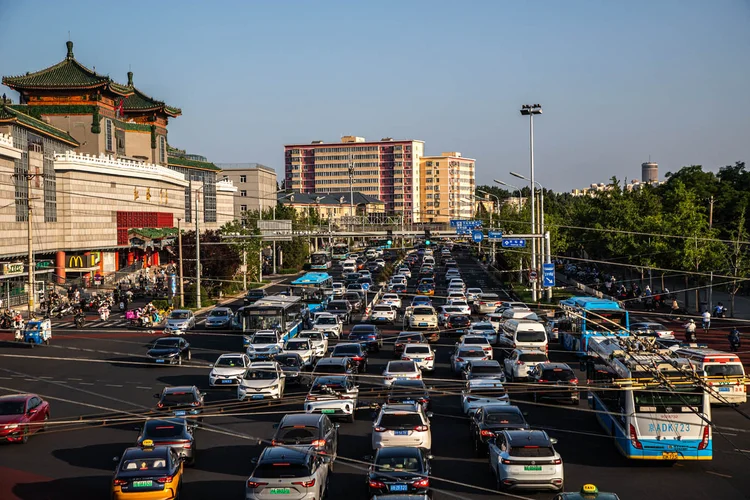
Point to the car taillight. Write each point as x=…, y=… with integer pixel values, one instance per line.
x=541, y=380
x=546, y=349
x=558, y=461
x=275, y=443
x=422, y=483
x=376, y=484
x=311, y=398
x=120, y=482
x=460, y=360
x=519, y=362
x=379, y=429
x=505, y=461
x=704, y=442
x=422, y=400
x=404, y=358
x=429, y=358
x=196, y=403
x=306, y=484
x=574, y=381
x=419, y=376
x=358, y=358
x=160, y=405
x=421, y=428
x=165, y=479
x=486, y=433
x=634, y=439
x=255, y=484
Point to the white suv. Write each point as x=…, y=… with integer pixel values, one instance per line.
x=262, y=380
x=421, y=354
x=402, y=425
x=521, y=361
x=333, y=395
x=526, y=459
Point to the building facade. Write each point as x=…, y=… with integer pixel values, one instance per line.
x=387, y=169
x=334, y=206
x=256, y=185
x=447, y=184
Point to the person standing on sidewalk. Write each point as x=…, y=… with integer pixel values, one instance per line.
x=675, y=308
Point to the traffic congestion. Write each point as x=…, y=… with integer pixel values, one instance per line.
x=379, y=374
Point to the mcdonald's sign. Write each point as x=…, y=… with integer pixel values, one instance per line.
x=74, y=262
x=82, y=261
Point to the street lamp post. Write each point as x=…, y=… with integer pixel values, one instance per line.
x=530, y=110
x=495, y=214
x=515, y=188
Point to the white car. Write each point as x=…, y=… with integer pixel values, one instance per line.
x=380, y=262
x=423, y=317
x=473, y=293
x=462, y=305
x=317, y=339
x=486, y=303
x=651, y=329
x=405, y=271
x=264, y=345
x=445, y=312
x=521, y=361
x=526, y=459
x=455, y=287
x=481, y=392
x=484, y=328
x=262, y=380
x=421, y=354
x=391, y=298
x=303, y=347
x=462, y=355
x=383, y=313
x=479, y=342
x=398, y=279
x=457, y=283
x=329, y=324
x=333, y=395
x=228, y=370
x=400, y=370
x=452, y=296
x=402, y=425
x=338, y=289
x=452, y=275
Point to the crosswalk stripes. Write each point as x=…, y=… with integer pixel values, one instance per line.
x=64, y=324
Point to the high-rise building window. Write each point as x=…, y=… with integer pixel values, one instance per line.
x=243, y=178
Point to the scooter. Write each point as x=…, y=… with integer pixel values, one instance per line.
x=720, y=312
x=80, y=320
x=104, y=313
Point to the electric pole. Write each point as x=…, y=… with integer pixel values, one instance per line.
x=179, y=244
x=197, y=256
x=711, y=213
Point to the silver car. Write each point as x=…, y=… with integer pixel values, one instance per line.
x=526, y=459
x=220, y=317
x=402, y=425
x=179, y=321
x=291, y=473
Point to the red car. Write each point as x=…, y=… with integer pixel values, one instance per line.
x=22, y=415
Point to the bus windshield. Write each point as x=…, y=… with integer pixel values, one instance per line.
x=658, y=399
x=318, y=258
x=263, y=321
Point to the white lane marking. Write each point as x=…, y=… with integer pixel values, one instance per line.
x=6, y=378
x=742, y=451
x=73, y=378
x=732, y=429
x=86, y=383
x=717, y=474
x=31, y=380
x=113, y=385
x=42, y=376
x=142, y=387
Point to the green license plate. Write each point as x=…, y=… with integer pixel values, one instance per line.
x=532, y=467
x=280, y=491
x=142, y=484
x=328, y=411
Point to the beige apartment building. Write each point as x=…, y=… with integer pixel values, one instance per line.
x=255, y=184
x=447, y=184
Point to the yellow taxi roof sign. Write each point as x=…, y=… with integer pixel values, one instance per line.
x=589, y=489
x=147, y=442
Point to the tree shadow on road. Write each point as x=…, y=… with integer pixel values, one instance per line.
x=65, y=489
x=95, y=456
x=234, y=460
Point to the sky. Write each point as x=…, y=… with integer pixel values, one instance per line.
x=619, y=81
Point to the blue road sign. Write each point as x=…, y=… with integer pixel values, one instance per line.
x=514, y=243
x=494, y=235
x=174, y=284
x=548, y=274
x=477, y=236
x=366, y=286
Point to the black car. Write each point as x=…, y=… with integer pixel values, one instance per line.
x=181, y=401
x=342, y=309
x=398, y=288
x=355, y=300
x=368, y=336
x=366, y=281
x=174, y=432
x=458, y=324
x=169, y=350
x=355, y=352
x=490, y=419
x=350, y=278
x=399, y=469
x=487, y=368
x=407, y=338
x=409, y=391
x=254, y=295
x=555, y=381
x=292, y=366
x=373, y=267
x=308, y=429
x=332, y=366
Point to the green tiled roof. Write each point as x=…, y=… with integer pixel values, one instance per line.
x=184, y=162
x=138, y=101
x=10, y=115
x=153, y=233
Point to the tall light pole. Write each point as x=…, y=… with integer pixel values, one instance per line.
x=531, y=110
x=495, y=214
x=515, y=188
x=197, y=254
x=544, y=252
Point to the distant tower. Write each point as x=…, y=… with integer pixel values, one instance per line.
x=649, y=172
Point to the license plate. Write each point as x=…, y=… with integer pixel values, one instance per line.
x=226, y=381
x=160, y=361
x=398, y=487
x=401, y=433
x=280, y=491
x=459, y=331
x=725, y=389
x=257, y=396
x=409, y=401
x=670, y=455
x=328, y=411
x=179, y=413
x=532, y=467
x=142, y=484
x=423, y=324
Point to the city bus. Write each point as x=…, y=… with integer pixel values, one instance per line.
x=649, y=402
x=315, y=289
x=722, y=371
x=339, y=251
x=320, y=261
x=592, y=317
x=281, y=313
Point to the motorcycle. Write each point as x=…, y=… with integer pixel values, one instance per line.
x=720, y=312
x=80, y=320
x=104, y=313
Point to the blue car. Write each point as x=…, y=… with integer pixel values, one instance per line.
x=367, y=336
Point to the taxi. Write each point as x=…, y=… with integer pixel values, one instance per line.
x=426, y=289
x=588, y=492
x=147, y=473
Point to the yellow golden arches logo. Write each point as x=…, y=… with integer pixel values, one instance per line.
x=75, y=262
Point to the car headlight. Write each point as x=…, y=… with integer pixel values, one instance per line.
x=11, y=426
x=212, y=374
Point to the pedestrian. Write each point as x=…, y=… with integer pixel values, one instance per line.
x=690, y=331
x=706, y=320
x=734, y=340
x=675, y=309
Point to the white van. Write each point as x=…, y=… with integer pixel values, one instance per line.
x=349, y=266
x=522, y=334
x=517, y=313
x=722, y=371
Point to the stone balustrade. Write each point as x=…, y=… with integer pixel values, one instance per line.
x=125, y=167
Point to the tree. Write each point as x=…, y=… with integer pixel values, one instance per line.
x=736, y=254
x=251, y=246
x=219, y=261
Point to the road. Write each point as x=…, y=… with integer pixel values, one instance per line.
x=98, y=371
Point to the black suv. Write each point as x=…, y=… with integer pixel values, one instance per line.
x=254, y=295
x=399, y=469
x=368, y=336
x=342, y=309
x=555, y=381
x=457, y=324
x=353, y=351
x=409, y=391
x=491, y=419
x=308, y=429
x=407, y=338
x=181, y=401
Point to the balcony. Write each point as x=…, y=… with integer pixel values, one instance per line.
x=7, y=148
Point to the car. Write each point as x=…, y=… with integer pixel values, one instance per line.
x=329, y=324
x=397, y=288
x=556, y=381
x=318, y=340
x=333, y=395
x=421, y=300
x=180, y=401
x=303, y=347
x=402, y=425
x=308, y=430
x=427, y=271
x=587, y=492
x=420, y=317
x=356, y=287
x=355, y=300
x=398, y=369
x=652, y=329
x=228, y=370
x=454, y=296
x=489, y=368
x=333, y=366
x=364, y=273
x=457, y=283
x=342, y=309
x=292, y=365
x=353, y=351
x=176, y=433
x=525, y=459
x=368, y=336
x=219, y=317
x=367, y=285
x=482, y=391
x=350, y=278
x=380, y=262
x=262, y=380
x=472, y=294
x=427, y=281
x=179, y=321
x=486, y=303
x=254, y=296
x=399, y=278
x=169, y=350
x=488, y=420
x=462, y=305
x=464, y=354
x=384, y=313
x=457, y=324
x=147, y=472
x=22, y=415
x=444, y=312
x=484, y=328
x=338, y=289
x=405, y=271
x=392, y=299
x=263, y=345
x=496, y=319
x=404, y=338
x=426, y=289
x=521, y=361
x=478, y=341
x=409, y=391
x=297, y=473
x=421, y=354
x=399, y=473
x=456, y=287
x=511, y=305
x=371, y=253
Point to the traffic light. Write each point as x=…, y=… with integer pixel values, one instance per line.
x=390, y=238
x=427, y=237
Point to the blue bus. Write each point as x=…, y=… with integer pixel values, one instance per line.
x=320, y=261
x=340, y=251
x=280, y=313
x=592, y=317
x=315, y=289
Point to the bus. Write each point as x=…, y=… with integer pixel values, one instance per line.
x=592, y=317
x=339, y=251
x=320, y=261
x=649, y=402
x=280, y=313
x=722, y=372
x=316, y=289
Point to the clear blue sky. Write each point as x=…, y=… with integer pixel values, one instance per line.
x=619, y=80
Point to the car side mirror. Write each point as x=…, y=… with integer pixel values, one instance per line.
x=553, y=440
x=275, y=426
x=115, y=459
x=211, y=365
x=430, y=457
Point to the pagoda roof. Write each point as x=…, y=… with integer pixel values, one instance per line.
x=67, y=74
x=140, y=102
x=10, y=115
x=179, y=161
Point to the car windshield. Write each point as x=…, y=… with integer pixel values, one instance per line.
x=354, y=297
x=423, y=311
x=532, y=451
x=417, y=349
x=179, y=315
x=163, y=430
x=512, y=418
x=297, y=434
x=297, y=346
x=483, y=327
x=486, y=369
x=260, y=374
x=331, y=369
x=401, y=367
x=163, y=343
x=177, y=398
x=346, y=350
x=408, y=384
x=558, y=375
x=322, y=384
x=530, y=336
x=11, y=407
x=471, y=353
x=326, y=320
x=398, y=464
x=311, y=335
x=222, y=313
x=230, y=362
x=400, y=420
x=533, y=358
x=338, y=306
x=383, y=308
x=264, y=339
x=281, y=470
x=288, y=360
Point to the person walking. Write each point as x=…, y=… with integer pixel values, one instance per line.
x=690, y=331
x=675, y=309
x=706, y=320
x=734, y=340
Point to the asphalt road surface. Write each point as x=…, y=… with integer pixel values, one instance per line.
x=98, y=373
